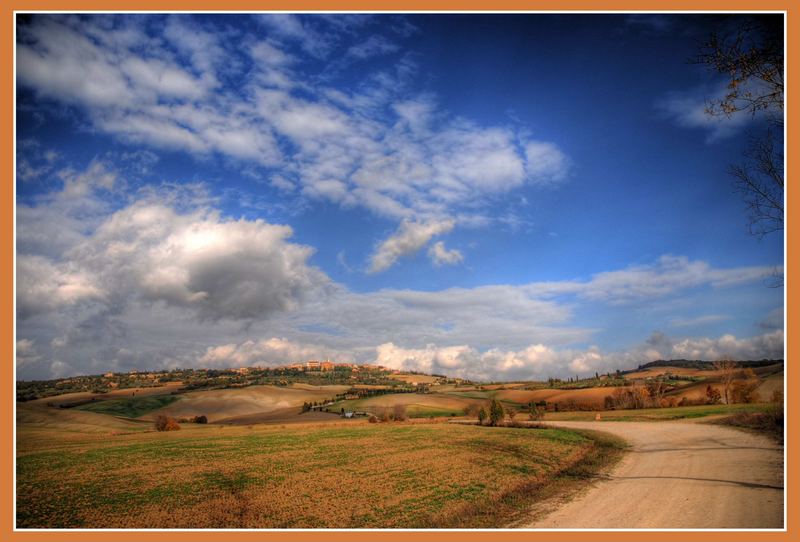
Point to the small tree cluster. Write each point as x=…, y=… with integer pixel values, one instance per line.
x=496, y=413
x=713, y=396
x=200, y=419
x=399, y=413
x=535, y=413
x=165, y=423
x=743, y=389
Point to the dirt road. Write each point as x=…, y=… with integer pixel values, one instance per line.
x=680, y=475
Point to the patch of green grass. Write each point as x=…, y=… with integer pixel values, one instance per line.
x=657, y=414
x=132, y=407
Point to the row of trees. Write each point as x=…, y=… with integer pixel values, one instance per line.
x=396, y=413
x=496, y=413
x=736, y=385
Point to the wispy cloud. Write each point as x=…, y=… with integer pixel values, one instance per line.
x=382, y=146
x=699, y=320
x=689, y=109
x=440, y=255
x=409, y=238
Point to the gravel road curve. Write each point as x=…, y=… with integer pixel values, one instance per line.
x=680, y=475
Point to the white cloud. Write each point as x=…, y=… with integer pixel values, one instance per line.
x=688, y=109
x=382, y=147
x=699, y=320
x=26, y=354
x=295, y=28
x=43, y=285
x=266, y=353
x=372, y=46
x=408, y=239
x=669, y=274
x=442, y=256
x=162, y=276
x=545, y=162
x=218, y=268
x=537, y=361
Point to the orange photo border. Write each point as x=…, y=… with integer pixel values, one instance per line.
x=7, y=88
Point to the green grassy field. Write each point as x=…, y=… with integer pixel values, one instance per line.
x=130, y=407
x=656, y=414
x=333, y=475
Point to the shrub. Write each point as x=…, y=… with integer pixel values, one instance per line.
x=472, y=410
x=200, y=419
x=743, y=390
x=608, y=402
x=686, y=401
x=713, y=395
x=536, y=413
x=373, y=419
x=667, y=402
x=400, y=413
x=496, y=412
x=482, y=415
x=165, y=423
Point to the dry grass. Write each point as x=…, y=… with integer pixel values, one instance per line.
x=78, y=397
x=228, y=403
x=330, y=475
x=419, y=379
x=592, y=396
x=768, y=423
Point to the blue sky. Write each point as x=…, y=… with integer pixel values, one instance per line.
x=492, y=196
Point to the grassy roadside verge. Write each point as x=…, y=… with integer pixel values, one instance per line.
x=768, y=423
x=658, y=414
x=531, y=500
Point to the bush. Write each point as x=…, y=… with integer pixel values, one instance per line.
x=373, y=419
x=472, y=410
x=400, y=413
x=200, y=419
x=744, y=389
x=536, y=413
x=685, y=401
x=165, y=423
x=713, y=395
x=482, y=415
x=496, y=412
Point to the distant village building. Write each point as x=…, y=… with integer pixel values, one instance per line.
x=109, y=375
x=326, y=366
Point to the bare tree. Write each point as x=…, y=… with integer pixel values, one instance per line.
x=728, y=371
x=751, y=57
x=760, y=181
